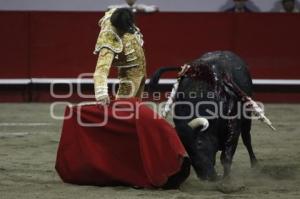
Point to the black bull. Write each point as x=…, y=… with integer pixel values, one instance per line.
x=202, y=90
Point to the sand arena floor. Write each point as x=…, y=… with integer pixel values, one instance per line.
x=29, y=140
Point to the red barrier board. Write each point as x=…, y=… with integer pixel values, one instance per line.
x=60, y=44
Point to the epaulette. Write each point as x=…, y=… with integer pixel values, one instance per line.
x=109, y=39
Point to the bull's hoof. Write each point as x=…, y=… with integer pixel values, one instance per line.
x=254, y=164
x=228, y=186
x=216, y=178
x=212, y=178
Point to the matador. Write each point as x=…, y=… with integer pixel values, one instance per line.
x=119, y=44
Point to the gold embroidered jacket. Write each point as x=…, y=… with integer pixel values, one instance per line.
x=124, y=52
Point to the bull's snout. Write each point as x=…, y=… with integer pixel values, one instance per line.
x=199, y=122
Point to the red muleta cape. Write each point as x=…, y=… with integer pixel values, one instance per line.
x=136, y=147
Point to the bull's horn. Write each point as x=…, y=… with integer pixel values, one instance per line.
x=199, y=121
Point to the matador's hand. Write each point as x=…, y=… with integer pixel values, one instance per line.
x=105, y=100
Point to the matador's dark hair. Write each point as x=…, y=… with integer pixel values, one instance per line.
x=122, y=19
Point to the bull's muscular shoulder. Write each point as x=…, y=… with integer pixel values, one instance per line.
x=229, y=63
x=109, y=39
x=223, y=58
x=224, y=61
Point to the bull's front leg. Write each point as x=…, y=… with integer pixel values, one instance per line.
x=231, y=141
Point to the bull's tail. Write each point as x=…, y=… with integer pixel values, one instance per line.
x=157, y=74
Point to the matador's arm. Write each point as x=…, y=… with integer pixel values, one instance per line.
x=101, y=73
x=108, y=44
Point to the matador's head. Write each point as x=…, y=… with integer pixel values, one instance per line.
x=123, y=20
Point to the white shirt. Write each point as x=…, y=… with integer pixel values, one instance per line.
x=137, y=7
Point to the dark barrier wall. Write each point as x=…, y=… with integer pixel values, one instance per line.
x=60, y=44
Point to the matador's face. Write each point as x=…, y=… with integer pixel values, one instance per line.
x=131, y=2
